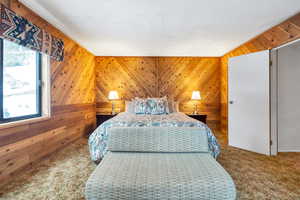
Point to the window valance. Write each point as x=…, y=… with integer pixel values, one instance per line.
x=18, y=29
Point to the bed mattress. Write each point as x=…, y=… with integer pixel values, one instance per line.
x=98, y=139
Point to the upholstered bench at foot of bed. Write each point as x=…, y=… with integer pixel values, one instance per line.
x=130, y=175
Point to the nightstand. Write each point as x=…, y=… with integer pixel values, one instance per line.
x=103, y=117
x=199, y=117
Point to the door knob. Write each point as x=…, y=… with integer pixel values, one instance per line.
x=230, y=102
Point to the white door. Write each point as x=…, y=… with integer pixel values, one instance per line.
x=248, y=110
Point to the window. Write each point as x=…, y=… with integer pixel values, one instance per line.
x=21, y=82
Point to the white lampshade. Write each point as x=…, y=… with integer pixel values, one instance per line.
x=196, y=95
x=113, y=95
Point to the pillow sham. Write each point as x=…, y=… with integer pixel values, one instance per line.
x=157, y=106
x=153, y=106
x=173, y=105
x=140, y=106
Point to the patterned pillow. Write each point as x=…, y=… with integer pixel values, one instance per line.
x=140, y=106
x=165, y=99
x=157, y=106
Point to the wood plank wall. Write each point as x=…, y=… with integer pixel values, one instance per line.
x=72, y=105
x=286, y=31
x=73, y=90
x=159, y=76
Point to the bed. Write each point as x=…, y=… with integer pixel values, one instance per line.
x=98, y=139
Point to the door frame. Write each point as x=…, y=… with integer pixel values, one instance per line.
x=274, y=96
x=273, y=102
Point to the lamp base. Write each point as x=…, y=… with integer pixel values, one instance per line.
x=195, y=112
x=113, y=108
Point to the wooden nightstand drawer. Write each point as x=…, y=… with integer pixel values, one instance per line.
x=201, y=118
x=102, y=118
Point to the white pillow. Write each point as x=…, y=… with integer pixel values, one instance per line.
x=129, y=106
x=175, y=106
x=170, y=105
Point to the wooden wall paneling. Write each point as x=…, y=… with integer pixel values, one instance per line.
x=74, y=79
x=14, y=134
x=142, y=72
x=285, y=32
x=5, y=2
x=130, y=76
x=67, y=125
x=20, y=154
x=195, y=74
x=160, y=76
x=179, y=76
x=23, y=144
x=72, y=106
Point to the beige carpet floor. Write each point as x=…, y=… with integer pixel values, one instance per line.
x=63, y=175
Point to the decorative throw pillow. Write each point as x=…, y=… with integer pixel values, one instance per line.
x=165, y=99
x=157, y=106
x=140, y=106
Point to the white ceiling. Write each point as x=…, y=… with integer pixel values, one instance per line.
x=163, y=27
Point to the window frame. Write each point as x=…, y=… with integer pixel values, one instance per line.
x=39, y=94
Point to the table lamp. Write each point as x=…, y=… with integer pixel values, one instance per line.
x=196, y=96
x=113, y=95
